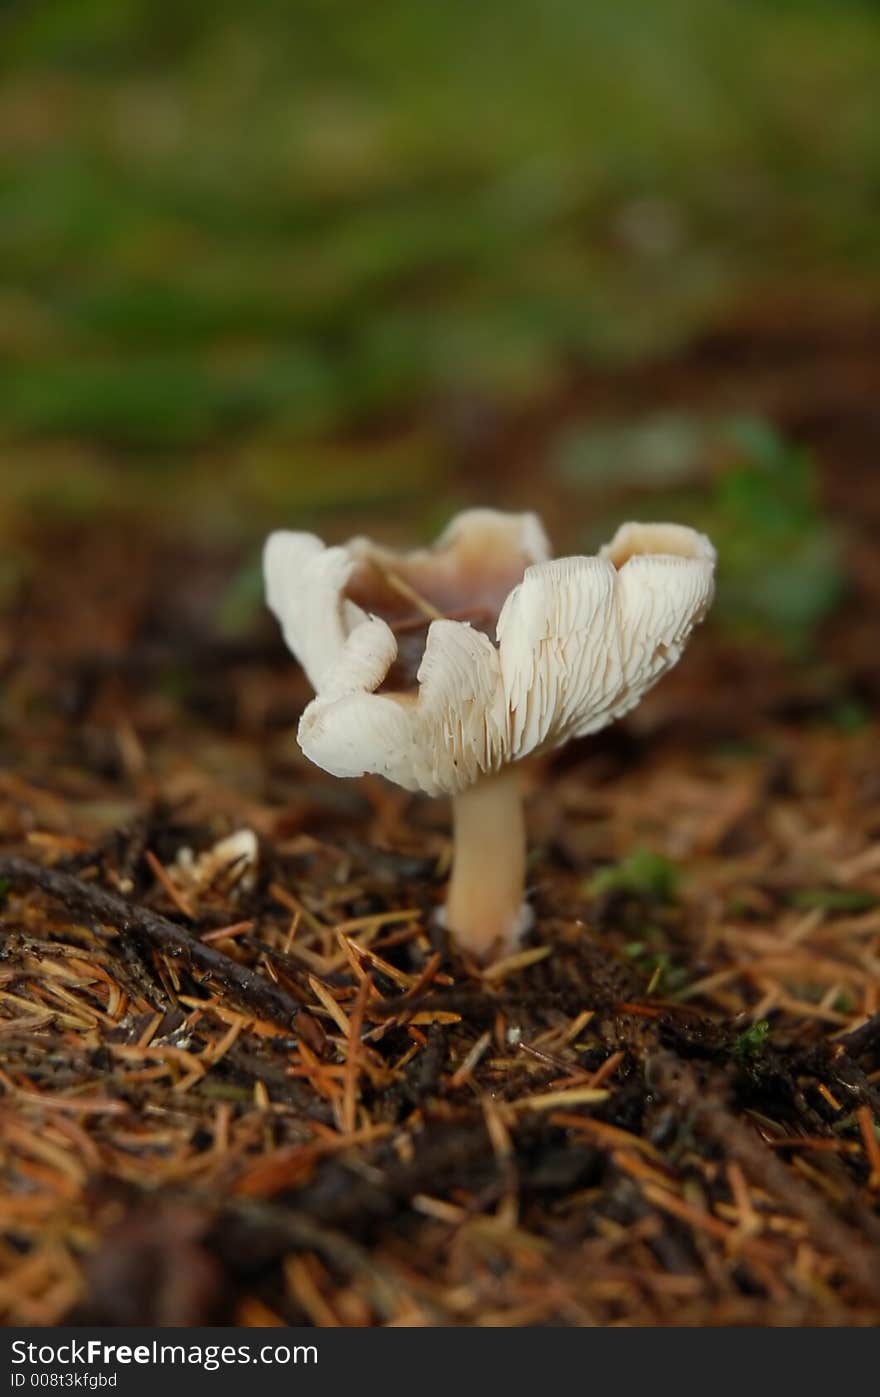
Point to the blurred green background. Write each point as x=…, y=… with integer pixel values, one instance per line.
x=337, y=264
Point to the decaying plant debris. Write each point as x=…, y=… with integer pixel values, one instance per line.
x=282, y=1099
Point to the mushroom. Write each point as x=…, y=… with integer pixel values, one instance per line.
x=410, y=685
x=230, y=863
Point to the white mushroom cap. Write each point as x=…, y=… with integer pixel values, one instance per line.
x=579, y=641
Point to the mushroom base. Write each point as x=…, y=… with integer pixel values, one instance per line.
x=485, y=909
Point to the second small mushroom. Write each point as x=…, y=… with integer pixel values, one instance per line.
x=409, y=683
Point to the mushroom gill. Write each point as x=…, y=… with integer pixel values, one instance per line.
x=466, y=576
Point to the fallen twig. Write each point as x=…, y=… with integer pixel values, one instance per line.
x=252, y=990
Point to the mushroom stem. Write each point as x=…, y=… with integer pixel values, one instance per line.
x=485, y=909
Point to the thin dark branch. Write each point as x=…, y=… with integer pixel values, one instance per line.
x=863, y=1038
x=706, y=1105
x=254, y=991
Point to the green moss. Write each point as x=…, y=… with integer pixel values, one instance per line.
x=779, y=566
x=751, y=1044
x=642, y=873
x=835, y=899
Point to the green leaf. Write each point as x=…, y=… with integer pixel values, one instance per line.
x=752, y=1042
x=641, y=874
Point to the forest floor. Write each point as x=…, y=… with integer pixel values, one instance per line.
x=272, y=1094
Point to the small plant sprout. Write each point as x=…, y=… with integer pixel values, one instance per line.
x=410, y=684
